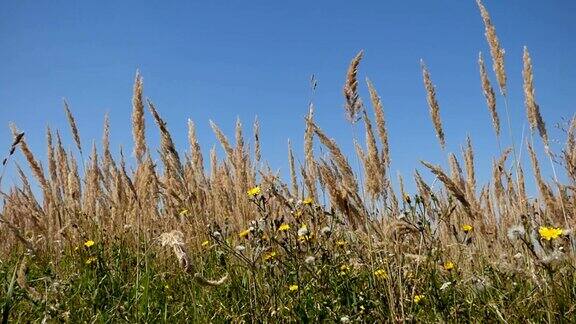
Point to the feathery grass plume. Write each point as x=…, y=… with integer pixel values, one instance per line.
x=353, y=102
x=195, y=150
x=470, y=172
x=257, y=149
x=489, y=94
x=52, y=166
x=532, y=108
x=108, y=161
x=450, y=185
x=223, y=140
x=339, y=158
x=374, y=167
x=522, y=188
x=456, y=171
x=170, y=154
x=138, y=122
x=310, y=163
x=496, y=51
x=73, y=126
x=380, y=122
x=569, y=152
x=433, y=104
x=293, y=179
x=34, y=164
x=241, y=160
x=545, y=191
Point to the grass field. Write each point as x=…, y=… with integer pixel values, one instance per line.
x=112, y=239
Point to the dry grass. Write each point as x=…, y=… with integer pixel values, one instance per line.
x=457, y=249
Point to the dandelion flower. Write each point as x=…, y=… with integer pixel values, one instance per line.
x=549, y=233
x=340, y=243
x=89, y=243
x=467, y=228
x=448, y=265
x=254, y=191
x=284, y=227
x=380, y=273
x=205, y=243
x=418, y=298
x=308, y=201
x=293, y=288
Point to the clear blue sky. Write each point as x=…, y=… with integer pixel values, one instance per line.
x=222, y=59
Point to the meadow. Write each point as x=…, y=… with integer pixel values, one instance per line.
x=151, y=234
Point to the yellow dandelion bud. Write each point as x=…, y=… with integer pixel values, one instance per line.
x=284, y=227
x=244, y=233
x=89, y=243
x=293, y=288
x=254, y=191
x=467, y=228
x=418, y=298
x=91, y=260
x=549, y=233
x=448, y=265
x=269, y=256
x=308, y=201
x=380, y=273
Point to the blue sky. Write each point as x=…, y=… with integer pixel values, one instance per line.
x=221, y=60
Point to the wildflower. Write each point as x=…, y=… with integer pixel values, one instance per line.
x=467, y=228
x=549, y=233
x=303, y=231
x=254, y=191
x=240, y=248
x=298, y=213
x=293, y=288
x=89, y=243
x=183, y=212
x=269, y=256
x=344, y=267
x=284, y=227
x=340, y=243
x=448, y=265
x=380, y=273
x=418, y=298
x=308, y=201
x=445, y=285
x=205, y=243
x=310, y=259
x=245, y=233
x=344, y=319
x=91, y=260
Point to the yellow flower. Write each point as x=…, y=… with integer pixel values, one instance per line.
x=448, y=265
x=467, y=228
x=298, y=213
x=418, y=298
x=293, y=288
x=308, y=201
x=183, y=212
x=344, y=267
x=205, y=243
x=91, y=260
x=284, y=227
x=341, y=243
x=254, y=191
x=244, y=233
x=380, y=273
x=89, y=243
x=549, y=233
x=269, y=256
